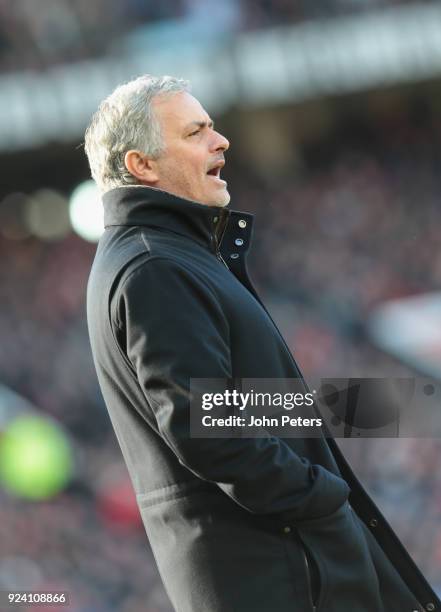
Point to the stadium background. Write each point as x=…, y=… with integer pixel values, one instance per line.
x=332, y=109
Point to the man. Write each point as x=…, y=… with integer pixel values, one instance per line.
x=235, y=524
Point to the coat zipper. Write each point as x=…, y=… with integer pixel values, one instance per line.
x=308, y=577
x=220, y=258
x=218, y=242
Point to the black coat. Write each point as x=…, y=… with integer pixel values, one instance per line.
x=239, y=524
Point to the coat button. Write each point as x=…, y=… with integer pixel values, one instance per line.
x=287, y=529
x=238, y=242
x=430, y=607
x=373, y=522
x=215, y=219
x=234, y=255
x=242, y=223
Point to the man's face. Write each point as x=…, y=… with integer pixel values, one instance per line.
x=194, y=152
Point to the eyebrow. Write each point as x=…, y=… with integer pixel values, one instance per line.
x=200, y=124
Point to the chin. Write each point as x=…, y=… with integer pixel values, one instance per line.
x=221, y=199
x=213, y=198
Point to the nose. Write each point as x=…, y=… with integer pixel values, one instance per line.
x=220, y=142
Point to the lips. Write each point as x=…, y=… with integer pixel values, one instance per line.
x=215, y=168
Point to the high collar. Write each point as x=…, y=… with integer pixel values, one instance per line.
x=208, y=225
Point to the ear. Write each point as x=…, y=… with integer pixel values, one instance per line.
x=141, y=166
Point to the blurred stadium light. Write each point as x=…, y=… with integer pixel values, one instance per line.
x=47, y=215
x=86, y=211
x=36, y=455
x=36, y=459
x=410, y=329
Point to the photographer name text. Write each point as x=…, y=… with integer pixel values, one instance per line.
x=242, y=401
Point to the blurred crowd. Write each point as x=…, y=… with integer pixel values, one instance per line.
x=63, y=31
x=354, y=225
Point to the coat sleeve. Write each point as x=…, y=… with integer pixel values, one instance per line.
x=175, y=330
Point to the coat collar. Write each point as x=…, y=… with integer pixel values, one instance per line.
x=208, y=225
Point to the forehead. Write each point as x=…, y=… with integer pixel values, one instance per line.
x=176, y=111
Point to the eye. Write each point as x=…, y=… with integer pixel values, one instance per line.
x=194, y=133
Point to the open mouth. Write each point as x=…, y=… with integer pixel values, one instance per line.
x=216, y=170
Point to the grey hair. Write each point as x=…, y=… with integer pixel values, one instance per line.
x=125, y=120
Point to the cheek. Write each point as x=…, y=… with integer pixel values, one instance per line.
x=186, y=169
x=189, y=165
x=177, y=170
x=195, y=171
x=197, y=160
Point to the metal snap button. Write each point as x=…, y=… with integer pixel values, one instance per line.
x=234, y=255
x=430, y=607
x=287, y=529
x=238, y=242
x=373, y=522
x=242, y=223
x=215, y=219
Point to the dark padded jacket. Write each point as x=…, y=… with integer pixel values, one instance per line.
x=236, y=524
